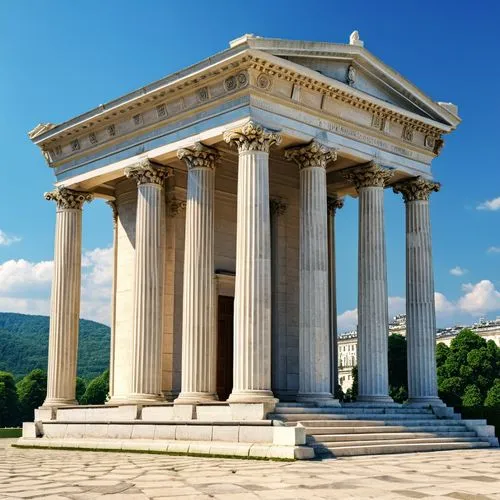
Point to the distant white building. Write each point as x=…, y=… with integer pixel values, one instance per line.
x=348, y=342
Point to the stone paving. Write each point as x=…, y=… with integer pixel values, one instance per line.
x=56, y=474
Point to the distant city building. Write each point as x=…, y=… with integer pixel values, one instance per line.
x=348, y=342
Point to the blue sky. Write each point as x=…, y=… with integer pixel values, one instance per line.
x=60, y=58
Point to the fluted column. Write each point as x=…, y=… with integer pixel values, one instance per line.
x=373, y=321
x=114, y=209
x=314, y=331
x=252, y=303
x=65, y=301
x=334, y=203
x=199, y=340
x=420, y=307
x=148, y=284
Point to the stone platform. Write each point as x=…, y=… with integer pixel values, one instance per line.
x=219, y=429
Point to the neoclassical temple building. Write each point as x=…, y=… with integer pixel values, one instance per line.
x=224, y=181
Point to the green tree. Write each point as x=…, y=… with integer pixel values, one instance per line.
x=398, y=371
x=469, y=361
x=81, y=387
x=472, y=396
x=493, y=397
x=31, y=391
x=97, y=390
x=9, y=402
x=354, y=389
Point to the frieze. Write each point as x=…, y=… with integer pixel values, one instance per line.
x=267, y=78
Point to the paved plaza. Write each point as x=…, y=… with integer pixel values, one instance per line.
x=75, y=475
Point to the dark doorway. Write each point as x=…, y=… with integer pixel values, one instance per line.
x=225, y=346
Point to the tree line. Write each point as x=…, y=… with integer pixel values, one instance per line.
x=19, y=401
x=468, y=372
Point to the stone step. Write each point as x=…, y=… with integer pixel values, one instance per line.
x=352, y=411
x=408, y=447
x=384, y=436
x=336, y=444
x=310, y=415
x=311, y=430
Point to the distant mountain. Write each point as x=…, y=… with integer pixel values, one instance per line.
x=24, y=343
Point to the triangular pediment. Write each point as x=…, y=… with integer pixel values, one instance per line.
x=368, y=75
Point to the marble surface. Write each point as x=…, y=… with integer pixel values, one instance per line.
x=54, y=474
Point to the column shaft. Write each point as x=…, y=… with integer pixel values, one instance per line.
x=420, y=306
x=252, y=303
x=65, y=300
x=148, y=296
x=147, y=329
x=314, y=357
x=199, y=340
x=333, y=205
x=373, y=321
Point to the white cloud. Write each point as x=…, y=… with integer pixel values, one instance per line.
x=25, y=286
x=458, y=271
x=493, y=204
x=493, y=250
x=6, y=240
x=480, y=298
x=477, y=300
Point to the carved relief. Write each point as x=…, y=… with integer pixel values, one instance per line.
x=161, y=110
x=370, y=175
x=407, y=134
x=234, y=82
x=430, y=141
x=378, y=121
x=75, y=145
x=111, y=131
x=313, y=154
x=416, y=189
x=68, y=198
x=203, y=94
x=58, y=150
x=264, y=82
x=351, y=75
x=92, y=138
x=252, y=137
x=137, y=119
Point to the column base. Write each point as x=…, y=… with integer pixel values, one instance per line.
x=318, y=398
x=252, y=397
x=50, y=402
x=424, y=402
x=138, y=398
x=374, y=399
x=191, y=398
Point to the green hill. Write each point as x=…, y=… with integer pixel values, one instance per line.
x=24, y=343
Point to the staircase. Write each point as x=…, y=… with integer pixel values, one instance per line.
x=370, y=429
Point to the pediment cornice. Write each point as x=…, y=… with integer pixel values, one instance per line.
x=240, y=69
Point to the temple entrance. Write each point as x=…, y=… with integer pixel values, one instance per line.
x=225, y=346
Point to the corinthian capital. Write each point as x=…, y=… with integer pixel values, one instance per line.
x=415, y=189
x=147, y=172
x=252, y=137
x=334, y=203
x=370, y=175
x=199, y=156
x=313, y=154
x=68, y=199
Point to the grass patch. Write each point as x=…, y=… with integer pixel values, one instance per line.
x=152, y=452
x=11, y=432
